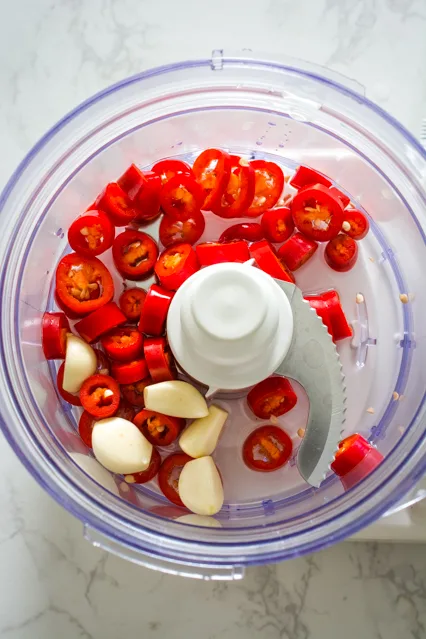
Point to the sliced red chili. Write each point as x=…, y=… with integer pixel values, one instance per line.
x=277, y=224
x=133, y=393
x=168, y=476
x=267, y=261
x=134, y=254
x=55, y=327
x=149, y=473
x=249, y=231
x=317, y=213
x=129, y=372
x=154, y=311
x=159, y=359
x=269, y=185
x=131, y=181
x=181, y=197
x=100, y=396
x=68, y=397
x=343, y=198
x=239, y=192
x=267, y=448
x=115, y=202
x=358, y=223
x=341, y=253
x=175, y=265
x=273, y=396
x=131, y=301
x=350, y=453
x=123, y=344
x=329, y=308
x=174, y=231
x=83, y=284
x=159, y=429
x=85, y=427
x=100, y=321
x=167, y=169
x=305, y=176
x=216, y=252
x=91, y=234
x=212, y=169
x=87, y=421
x=297, y=251
x=147, y=199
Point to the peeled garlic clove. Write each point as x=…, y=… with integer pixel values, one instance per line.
x=120, y=446
x=201, y=437
x=199, y=520
x=80, y=363
x=200, y=486
x=175, y=399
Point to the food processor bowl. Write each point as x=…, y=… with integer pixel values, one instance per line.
x=289, y=112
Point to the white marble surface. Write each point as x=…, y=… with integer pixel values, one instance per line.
x=55, y=53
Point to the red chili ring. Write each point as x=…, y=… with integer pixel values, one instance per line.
x=55, y=327
x=100, y=321
x=159, y=359
x=100, y=396
x=129, y=372
x=154, y=310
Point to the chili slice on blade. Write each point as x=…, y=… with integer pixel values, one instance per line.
x=273, y=396
x=159, y=359
x=328, y=307
x=267, y=261
x=175, y=265
x=159, y=429
x=83, y=284
x=216, y=252
x=154, y=310
x=100, y=321
x=134, y=254
x=55, y=327
x=100, y=396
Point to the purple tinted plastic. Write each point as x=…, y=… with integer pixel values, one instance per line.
x=415, y=473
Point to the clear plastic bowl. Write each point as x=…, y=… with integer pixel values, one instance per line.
x=294, y=114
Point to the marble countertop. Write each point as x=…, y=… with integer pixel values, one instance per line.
x=56, y=53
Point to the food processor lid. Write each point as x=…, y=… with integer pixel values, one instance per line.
x=231, y=326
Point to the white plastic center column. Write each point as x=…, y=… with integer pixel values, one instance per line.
x=230, y=326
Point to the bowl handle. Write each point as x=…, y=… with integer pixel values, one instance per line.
x=196, y=571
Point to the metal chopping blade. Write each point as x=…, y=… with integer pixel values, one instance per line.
x=313, y=361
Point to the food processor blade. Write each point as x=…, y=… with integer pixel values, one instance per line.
x=313, y=361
